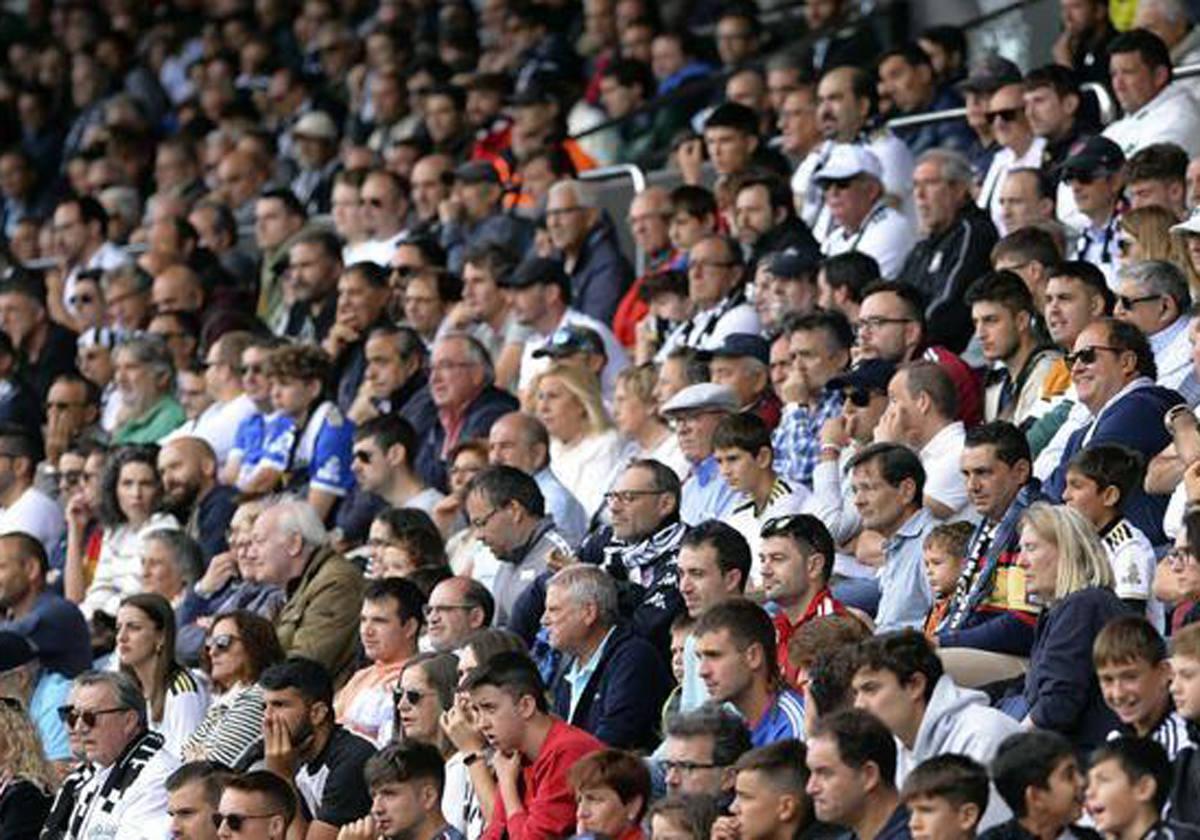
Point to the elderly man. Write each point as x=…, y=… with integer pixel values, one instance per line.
x=119, y=791
x=956, y=249
x=852, y=183
x=695, y=412
x=457, y=608
x=188, y=467
x=314, y=143
x=475, y=215
x=46, y=349
x=320, y=618
x=1154, y=297
x=241, y=176
x=520, y=440
x=1019, y=146
x=461, y=384
x=587, y=242
x=612, y=683
x=742, y=363
x=145, y=377
x=1156, y=110
x=716, y=288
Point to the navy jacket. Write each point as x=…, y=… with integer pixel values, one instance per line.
x=1135, y=421
x=602, y=275
x=486, y=409
x=1061, y=686
x=947, y=134
x=623, y=700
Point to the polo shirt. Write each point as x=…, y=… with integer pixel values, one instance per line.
x=905, y=595
x=579, y=673
x=164, y=417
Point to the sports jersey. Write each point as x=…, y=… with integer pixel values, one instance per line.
x=319, y=457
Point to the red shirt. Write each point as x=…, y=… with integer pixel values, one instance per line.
x=549, y=801
x=822, y=604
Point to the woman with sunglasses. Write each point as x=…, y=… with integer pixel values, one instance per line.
x=130, y=501
x=175, y=700
x=424, y=692
x=240, y=647
x=27, y=781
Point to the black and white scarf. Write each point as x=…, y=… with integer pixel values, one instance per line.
x=638, y=558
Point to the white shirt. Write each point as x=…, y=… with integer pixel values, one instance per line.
x=708, y=328
x=583, y=466
x=1172, y=353
x=217, y=425
x=1171, y=117
x=884, y=234
x=617, y=360
x=1004, y=161
x=942, y=459
x=378, y=251
x=786, y=498
x=36, y=514
x=895, y=159
x=141, y=811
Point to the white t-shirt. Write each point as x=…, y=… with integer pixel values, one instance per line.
x=583, y=466
x=217, y=425
x=942, y=459
x=36, y=514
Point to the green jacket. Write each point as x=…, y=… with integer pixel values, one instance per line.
x=164, y=417
x=320, y=619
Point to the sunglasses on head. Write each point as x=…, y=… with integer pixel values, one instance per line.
x=1006, y=114
x=236, y=821
x=802, y=527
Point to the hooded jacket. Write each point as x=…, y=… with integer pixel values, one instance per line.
x=959, y=720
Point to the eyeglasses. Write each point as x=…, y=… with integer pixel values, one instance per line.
x=221, y=643
x=237, y=820
x=71, y=716
x=880, y=322
x=1130, y=302
x=628, y=497
x=857, y=397
x=1005, y=114
x=430, y=610
x=410, y=695
x=482, y=521
x=687, y=766
x=1088, y=355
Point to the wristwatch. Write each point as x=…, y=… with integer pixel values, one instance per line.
x=470, y=758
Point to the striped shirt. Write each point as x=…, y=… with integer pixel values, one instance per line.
x=783, y=719
x=232, y=726
x=1170, y=732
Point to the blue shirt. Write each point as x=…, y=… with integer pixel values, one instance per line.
x=579, y=674
x=248, y=443
x=569, y=516
x=705, y=494
x=797, y=440
x=905, y=596
x=321, y=457
x=784, y=719
x=50, y=693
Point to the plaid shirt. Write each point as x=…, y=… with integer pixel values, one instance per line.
x=797, y=440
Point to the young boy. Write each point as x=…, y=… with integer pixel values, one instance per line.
x=944, y=550
x=946, y=796
x=1099, y=481
x=745, y=457
x=1127, y=787
x=1037, y=775
x=1135, y=678
x=1185, y=691
x=693, y=217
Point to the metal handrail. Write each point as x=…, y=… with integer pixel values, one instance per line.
x=603, y=173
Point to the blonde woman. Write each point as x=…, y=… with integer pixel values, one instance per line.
x=1068, y=573
x=1187, y=236
x=1145, y=234
x=27, y=779
x=635, y=411
x=584, y=446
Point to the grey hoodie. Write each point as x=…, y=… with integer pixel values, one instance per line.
x=959, y=720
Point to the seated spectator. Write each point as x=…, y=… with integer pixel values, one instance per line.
x=402, y=541
x=742, y=447
x=406, y=781
x=1099, y=480
x=682, y=817
x=958, y=241
x=1027, y=767
x=31, y=609
x=261, y=792
x=131, y=497
x=579, y=347
x=26, y=799
x=636, y=416
x=240, y=646
x=1154, y=297
x=395, y=380
x=474, y=216
x=715, y=285
x=700, y=748
x=72, y=412
x=1025, y=198
x=188, y=467
x=586, y=240
x=788, y=281
x=425, y=692
x=1019, y=146
x=485, y=311
x=384, y=451
x=247, y=449
x=741, y=363
x=1093, y=174
x=1005, y=318
x=117, y=745
x=764, y=220
x=907, y=79
x=1156, y=176
x=649, y=222
x=854, y=195
x=1067, y=571
x=521, y=441
x=851, y=760
x=193, y=796
x=176, y=701
x=145, y=377
x=1118, y=798
x=841, y=281
x=695, y=413
x=945, y=552
x=425, y=300
x=889, y=485
x=693, y=216
x=612, y=682
x=945, y=796
x=900, y=679
x=363, y=294
x=1130, y=658
x=510, y=702
x=24, y=681
x=604, y=779
x=1156, y=110
x=46, y=348
x=389, y=626
x=584, y=448
x=1030, y=253
x=17, y=402
x=457, y=608
x=314, y=266
x=318, y=620
x=735, y=645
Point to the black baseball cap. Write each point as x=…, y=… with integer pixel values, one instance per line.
x=743, y=345
x=869, y=375
x=1095, y=155
x=536, y=271
x=796, y=262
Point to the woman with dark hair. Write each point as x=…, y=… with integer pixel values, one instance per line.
x=130, y=498
x=239, y=648
x=424, y=692
x=176, y=701
x=402, y=540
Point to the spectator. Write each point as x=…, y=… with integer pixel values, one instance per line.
x=384, y=202
x=1031, y=253
x=260, y=792
x=403, y=540
x=695, y=413
x=945, y=551
x=599, y=274
x=636, y=416
x=649, y=219
x=741, y=364
x=473, y=216
x=425, y=692
x=46, y=347
x=31, y=609
x=1027, y=767
x=145, y=376
x=1156, y=176
x=841, y=281
x=945, y=792
x=794, y=288
x=764, y=220
x=314, y=138
x=852, y=183
x=578, y=346
x=1139, y=65
x=715, y=274
x=406, y=781
x=1066, y=569
x=188, y=467
x=314, y=266
x=485, y=311
x=1117, y=777
x=990, y=73
x=24, y=507
x=1093, y=174
x=193, y=795
x=395, y=379
x=458, y=607
x=602, y=777
x=700, y=748
x=240, y=646
x=682, y=816
x=385, y=449
x=278, y=217
x=1083, y=45
x=1024, y=198
x=80, y=244
x=612, y=682
x=769, y=800
x=26, y=684
x=906, y=78
x=289, y=546
x=363, y=294
x=1019, y=146
x=246, y=451
x=1153, y=296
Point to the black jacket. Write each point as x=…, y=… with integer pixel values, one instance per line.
x=943, y=266
x=1013, y=830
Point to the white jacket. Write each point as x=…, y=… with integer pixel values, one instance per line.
x=1171, y=117
x=959, y=720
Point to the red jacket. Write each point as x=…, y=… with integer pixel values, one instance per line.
x=823, y=603
x=549, y=801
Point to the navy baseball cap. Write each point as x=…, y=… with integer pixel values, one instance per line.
x=743, y=345
x=536, y=271
x=869, y=375
x=795, y=262
x=1094, y=156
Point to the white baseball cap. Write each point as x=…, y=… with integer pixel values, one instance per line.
x=848, y=160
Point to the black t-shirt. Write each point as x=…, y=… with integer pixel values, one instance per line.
x=331, y=785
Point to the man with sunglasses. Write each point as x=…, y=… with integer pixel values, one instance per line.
x=385, y=450
x=247, y=448
x=1093, y=174
x=474, y=215
x=258, y=805
x=118, y=791
x=1019, y=146
x=1154, y=296
x=385, y=213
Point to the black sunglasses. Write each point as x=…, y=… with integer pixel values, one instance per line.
x=221, y=643
x=1130, y=302
x=411, y=695
x=857, y=397
x=71, y=716
x=801, y=527
x=1006, y=114
x=236, y=821
x=1088, y=355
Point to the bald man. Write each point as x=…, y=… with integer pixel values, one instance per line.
x=521, y=441
x=188, y=467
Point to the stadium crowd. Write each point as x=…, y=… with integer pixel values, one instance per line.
x=369, y=470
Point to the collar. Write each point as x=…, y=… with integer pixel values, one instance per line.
x=1167, y=336
x=912, y=528
x=706, y=471
x=581, y=672
x=1140, y=382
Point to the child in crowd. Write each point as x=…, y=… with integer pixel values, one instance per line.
x=1037, y=775
x=1127, y=787
x=1135, y=677
x=945, y=548
x=946, y=796
x=693, y=217
x=1099, y=480
x=1185, y=691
